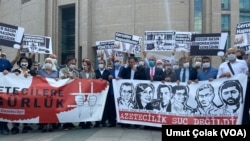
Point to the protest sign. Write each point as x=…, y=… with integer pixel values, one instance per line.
x=128, y=43
x=45, y=100
x=159, y=40
x=143, y=102
x=242, y=36
x=11, y=35
x=208, y=44
x=37, y=44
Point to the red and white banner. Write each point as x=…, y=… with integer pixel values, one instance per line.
x=45, y=100
x=142, y=102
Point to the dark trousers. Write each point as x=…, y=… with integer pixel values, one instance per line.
x=246, y=117
x=111, y=109
x=3, y=125
x=109, y=112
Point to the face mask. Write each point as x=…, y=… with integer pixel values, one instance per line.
x=159, y=66
x=48, y=66
x=126, y=65
x=186, y=65
x=205, y=65
x=109, y=68
x=141, y=63
x=175, y=67
x=84, y=67
x=168, y=68
x=240, y=57
x=197, y=64
x=34, y=68
x=24, y=64
x=101, y=66
x=231, y=57
x=151, y=63
x=72, y=66
x=117, y=64
x=54, y=61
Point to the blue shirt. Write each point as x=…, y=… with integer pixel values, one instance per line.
x=53, y=74
x=5, y=65
x=205, y=75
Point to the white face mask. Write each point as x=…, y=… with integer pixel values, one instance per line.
x=84, y=67
x=71, y=66
x=101, y=66
x=48, y=66
x=141, y=63
x=186, y=65
x=159, y=66
x=205, y=65
x=175, y=67
x=197, y=64
x=54, y=61
x=23, y=64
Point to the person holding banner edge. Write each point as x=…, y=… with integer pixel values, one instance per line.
x=5, y=67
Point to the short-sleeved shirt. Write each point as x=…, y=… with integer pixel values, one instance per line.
x=239, y=66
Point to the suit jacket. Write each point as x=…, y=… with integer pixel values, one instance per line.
x=112, y=72
x=192, y=74
x=158, y=74
x=83, y=75
x=126, y=73
x=104, y=76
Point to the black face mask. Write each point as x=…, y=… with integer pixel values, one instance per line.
x=240, y=57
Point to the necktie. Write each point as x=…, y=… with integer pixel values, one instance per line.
x=184, y=75
x=151, y=72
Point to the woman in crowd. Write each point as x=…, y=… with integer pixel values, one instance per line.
x=48, y=70
x=86, y=73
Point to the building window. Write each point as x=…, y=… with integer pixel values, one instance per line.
x=68, y=33
x=244, y=5
x=225, y=22
x=24, y=1
x=244, y=10
x=225, y=27
x=198, y=16
x=225, y=4
x=244, y=16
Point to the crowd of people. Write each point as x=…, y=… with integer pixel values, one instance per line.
x=188, y=69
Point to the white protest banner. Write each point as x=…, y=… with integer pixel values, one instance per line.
x=11, y=35
x=45, y=100
x=159, y=40
x=128, y=43
x=208, y=44
x=183, y=41
x=37, y=44
x=105, y=48
x=242, y=36
x=143, y=102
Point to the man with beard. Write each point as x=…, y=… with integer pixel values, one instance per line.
x=231, y=93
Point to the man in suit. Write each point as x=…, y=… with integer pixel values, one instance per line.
x=114, y=73
x=153, y=73
x=103, y=74
x=132, y=71
x=185, y=73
